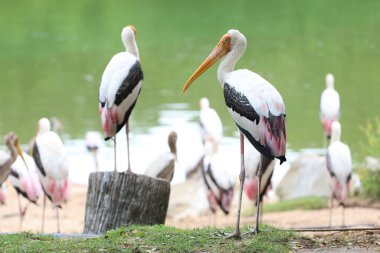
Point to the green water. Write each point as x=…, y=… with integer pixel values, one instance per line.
x=53, y=53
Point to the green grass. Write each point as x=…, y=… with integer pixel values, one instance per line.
x=157, y=238
x=305, y=203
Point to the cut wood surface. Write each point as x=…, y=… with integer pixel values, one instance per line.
x=122, y=199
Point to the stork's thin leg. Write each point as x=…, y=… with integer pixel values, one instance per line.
x=95, y=155
x=43, y=214
x=127, y=132
x=237, y=233
x=343, y=220
x=114, y=150
x=20, y=210
x=258, y=195
x=331, y=206
x=59, y=230
x=261, y=211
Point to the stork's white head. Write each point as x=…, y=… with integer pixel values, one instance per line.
x=128, y=34
x=232, y=45
x=238, y=41
x=204, y=103
x=335, y=131
x=43, y=126
x=329, y=81
x=128, y=37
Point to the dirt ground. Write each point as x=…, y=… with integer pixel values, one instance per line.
x=72, y=220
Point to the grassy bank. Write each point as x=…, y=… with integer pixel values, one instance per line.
x=157, y=239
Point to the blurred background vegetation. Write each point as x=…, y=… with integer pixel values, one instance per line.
x=369, y=167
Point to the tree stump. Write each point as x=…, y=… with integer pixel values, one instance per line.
x=120, y=199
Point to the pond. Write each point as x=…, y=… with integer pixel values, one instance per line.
x=53, y=53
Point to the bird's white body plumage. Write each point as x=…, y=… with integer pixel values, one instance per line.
x=329, y=105
x=54, y=162
x=52, y=155
x=27, y=180
x=339, y=163
x=114, y=74
x=211, y=125
x=218, y=180
x=261, y=94
x=222, y=175
x=162, y=161
x=164, y=164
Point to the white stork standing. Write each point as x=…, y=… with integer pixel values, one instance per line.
x=120, y=86
x=210, y=123
x=52, y=164
x=219, y=183
x=255, y=105
x=26, y=182
x=329, y=107
x=339, y=165
x=163, y=165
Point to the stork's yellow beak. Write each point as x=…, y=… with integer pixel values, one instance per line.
x=20, y=152
x=221, y=49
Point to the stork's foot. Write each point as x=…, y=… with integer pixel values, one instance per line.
x=236, y=236
x=129, y=171
x=253, y=232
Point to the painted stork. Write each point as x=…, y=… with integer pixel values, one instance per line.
x=163, y=165
x=120, y=86
x=25, y=180
x=219, y=183
x=93, y=140
x=52, y=164
x=7, y=159
x=210, y=124
x=255, y=105
x=339, y=165
x=329, y=107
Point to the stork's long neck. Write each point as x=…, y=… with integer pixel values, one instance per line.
x=227, y=65
x=13, y=153
x=173, y=147
x=131, y=46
